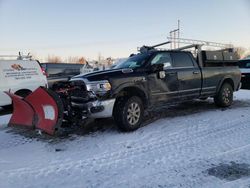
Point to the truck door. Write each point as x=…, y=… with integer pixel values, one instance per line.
x=188, y=73
x=163, y=86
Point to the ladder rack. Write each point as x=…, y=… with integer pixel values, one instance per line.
x=190, y=43
x=200, y=42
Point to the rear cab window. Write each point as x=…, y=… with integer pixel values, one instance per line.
x=182, y=60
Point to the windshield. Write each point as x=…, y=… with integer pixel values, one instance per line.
x=244, y=64
x=134, y=61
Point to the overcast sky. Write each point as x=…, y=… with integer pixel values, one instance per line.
x=116, y=27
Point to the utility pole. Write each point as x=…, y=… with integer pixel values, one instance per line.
x=175, y=34
x=179, y=32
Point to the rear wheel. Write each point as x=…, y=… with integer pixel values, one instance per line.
x=225, y=96
x=8, y=107
x=21, y=93
x=128, y=113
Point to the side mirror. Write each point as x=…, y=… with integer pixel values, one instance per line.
x=156, y=68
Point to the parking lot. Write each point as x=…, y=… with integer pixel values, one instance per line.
x=179, y=146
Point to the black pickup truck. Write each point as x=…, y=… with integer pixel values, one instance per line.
x=155, y=78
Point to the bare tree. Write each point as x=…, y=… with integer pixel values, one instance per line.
x=35, y=56
x=247, y=54
x=72, y=59
x=82, y=60
x=241, y=51
x=54, y=59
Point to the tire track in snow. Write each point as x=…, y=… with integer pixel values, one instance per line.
x=174, y=145
x=14, y=141
x=196, y=179
x=175, y=163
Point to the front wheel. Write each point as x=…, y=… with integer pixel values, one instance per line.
x=225, y=96
x=128, y=113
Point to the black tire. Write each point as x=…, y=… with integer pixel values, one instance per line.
x=23, y=93
x=224, y=98
x=8, y=107
x=128, y=113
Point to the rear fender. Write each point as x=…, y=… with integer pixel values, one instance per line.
x=223, y=80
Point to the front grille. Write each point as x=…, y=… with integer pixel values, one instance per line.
x=79, y=84
x=79, y=95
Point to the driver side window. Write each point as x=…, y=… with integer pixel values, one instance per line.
x=162, y=58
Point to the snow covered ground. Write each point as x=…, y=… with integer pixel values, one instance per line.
x=175, y=150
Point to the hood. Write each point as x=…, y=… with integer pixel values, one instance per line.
x=103, y=75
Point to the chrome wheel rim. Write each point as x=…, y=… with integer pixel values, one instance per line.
x=134, y=113
x=226, y=95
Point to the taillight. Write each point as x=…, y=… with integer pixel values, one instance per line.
x=44, y=72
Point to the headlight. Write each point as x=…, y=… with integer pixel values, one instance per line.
x=99, y=86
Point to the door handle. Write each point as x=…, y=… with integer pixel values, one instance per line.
x=172, y=73
x=196, y=72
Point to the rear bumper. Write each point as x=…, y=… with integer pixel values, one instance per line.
x=245, y=80
x=239, y=86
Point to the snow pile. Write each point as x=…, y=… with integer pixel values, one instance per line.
x=4, y=120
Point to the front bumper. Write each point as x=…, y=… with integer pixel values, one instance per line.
x=87, y=104
x=96, y=109
x=101, y=109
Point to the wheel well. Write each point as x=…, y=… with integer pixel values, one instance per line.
x=229, y=81
x=133, y=91
x=23, y=92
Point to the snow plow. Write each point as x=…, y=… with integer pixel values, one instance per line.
x=42, y=109
x=48, y=110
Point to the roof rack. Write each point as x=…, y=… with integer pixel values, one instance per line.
x=145, y=49
x=18, y=57
x=200, y=42
x=197, y=44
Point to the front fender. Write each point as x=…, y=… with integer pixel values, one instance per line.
x=130, y=84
